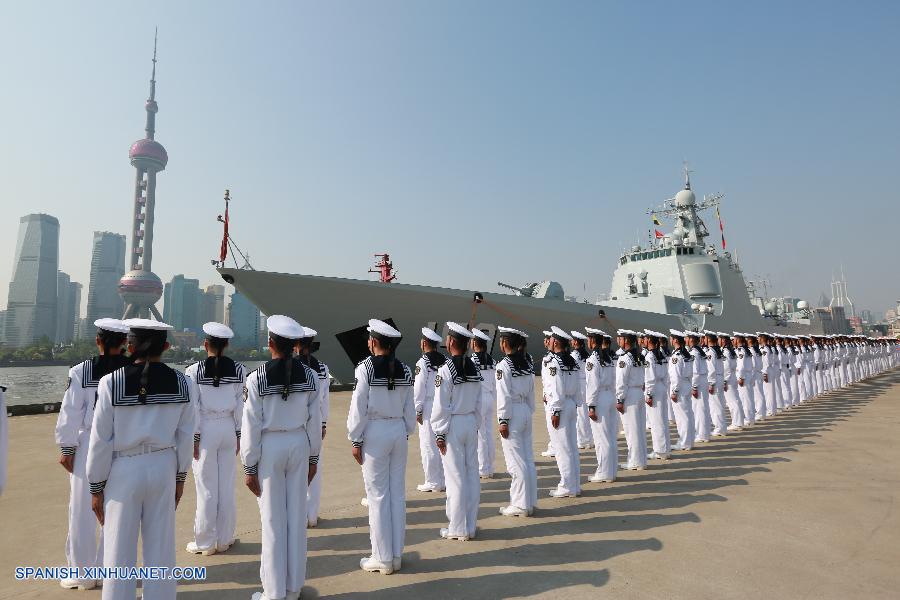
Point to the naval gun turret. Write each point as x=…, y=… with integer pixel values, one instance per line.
x=551, y=290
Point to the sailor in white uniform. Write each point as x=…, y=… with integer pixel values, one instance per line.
x=515, y=413
x=485, y=363
x=455, y=420
x=730, y=382
x=305, y=348
x=381, y=418
x=681, y=372
x=700, y=388
x=548, y=453
x=630, y=399
x=716, y=379
x=770, y=373
x=281, y=437
x=563, y=382
x=600, y=398
x=73, y=434
x=743, y=372
x=138, y=457
x=218, y=387
x=423, y=395
x=759, y=397
x=583, y=422
x=656, y=396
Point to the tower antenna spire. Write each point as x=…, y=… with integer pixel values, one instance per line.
x=153, y=74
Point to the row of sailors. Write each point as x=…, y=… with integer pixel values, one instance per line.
x=129, y=428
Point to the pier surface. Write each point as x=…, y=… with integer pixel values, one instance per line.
x=804, y=505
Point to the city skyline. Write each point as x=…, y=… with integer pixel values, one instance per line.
x=588, y=109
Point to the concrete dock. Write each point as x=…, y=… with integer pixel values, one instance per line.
x=803, y=505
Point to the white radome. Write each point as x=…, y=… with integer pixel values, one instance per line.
x=685, y=198
x=803, y=305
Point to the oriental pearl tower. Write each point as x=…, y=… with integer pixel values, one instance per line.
x=140, y=288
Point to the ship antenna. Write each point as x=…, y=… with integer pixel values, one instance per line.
x=687, y=174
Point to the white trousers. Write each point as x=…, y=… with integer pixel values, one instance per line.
x=549, y=429
x=384, y=474
x=518, y=452
x=428, y=450
x=140, y=498
x=583, y=426
x=783, y=393
x=684, y=419
x=283, y=470
x=82, y=547
x=795, y=388
x=702, y=421
x=314, y=492
x=487, y=451
x=606, y=440
x=634, y=422
x=214, y=479
x=770, y=390
x=565, y=444
x=759, y=396
x=748, y=401
x=461, y=475
x=717, y=409
x=733, y=401
x=658, y=418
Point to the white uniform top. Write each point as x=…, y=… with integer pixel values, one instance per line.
x=744, y=365
x=456, y=393
x=629, y=377
x=700, y=376
x=266, y=410
x=372, y=400
x=769, y=361
x=601, y=379
x=423, y=390
x=322, y=372
x=76, y=411
x=654, y=374
x=681, y=371
x=488, y=380
x=123, y=423
x=715, y=367
x=514, y=386
x=561, y=382
x=224, y=400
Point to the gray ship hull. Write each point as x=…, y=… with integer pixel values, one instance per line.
x=333, y=306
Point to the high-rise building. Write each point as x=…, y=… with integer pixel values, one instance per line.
x=140, y=288
x=31, y=309
x=107, y=268
x=212, y=304
x=68, y=307
x=181, y=304
x=243, y=319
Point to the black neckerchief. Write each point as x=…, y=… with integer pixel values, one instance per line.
x=567, y=361
x=519, y=361
x=582, y=353
x=93, y=370
x=435, y=359
x=313, y=363
x=463, y=370
x=273, y=378
x=658, y=354
x=165, y=385
x=484, y=360
x=213, y=372
x=684, y=352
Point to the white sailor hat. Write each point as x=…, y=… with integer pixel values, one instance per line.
x=735, y=334
x=146, y=324
x=676, y=333
x=626, y=332
x=660, y=335
x=593, y=331
x=285, y=327
x=480, y=334
x=510, y=331
x=707, y=332
x=458, y=330
x=693, y=334
x=380, y=328
x=560, y=333
x=578, y=335
x=430, y=334
x=309, y=332
x=113, y=325
x=648, y=332
x=218, y=330
x=547, y=333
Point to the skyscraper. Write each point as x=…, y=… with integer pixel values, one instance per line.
x=68, y=307
x=31, y=309
x=107, y=268
x=243, y=318
x=212, y=304
x=181, y=304
x=140, y=288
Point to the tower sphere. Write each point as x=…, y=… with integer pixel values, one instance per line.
x=140, y=288
x=148, y=154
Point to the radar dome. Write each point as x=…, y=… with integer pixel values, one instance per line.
x=803, y=305
x=770, y=306
x=685, y=198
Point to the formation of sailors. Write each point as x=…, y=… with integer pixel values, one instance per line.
x=130, y=428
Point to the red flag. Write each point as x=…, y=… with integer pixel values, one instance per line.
x=659, y=234
x=223, y=251
x=721, y=227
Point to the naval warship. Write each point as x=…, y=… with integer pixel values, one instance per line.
x=677, y=280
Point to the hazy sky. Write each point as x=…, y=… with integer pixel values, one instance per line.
x=475, y=141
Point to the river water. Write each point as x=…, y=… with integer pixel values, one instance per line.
x=38, y=385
